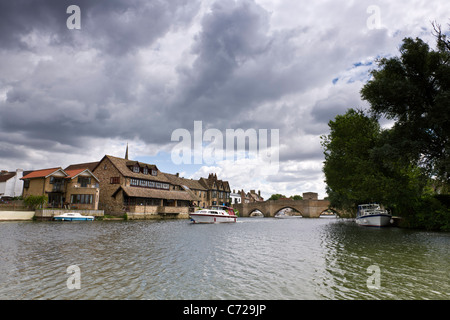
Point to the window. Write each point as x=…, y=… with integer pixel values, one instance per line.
x=134, y=182
x=84, y=181
x=145, y=171
x=136, y=169
x=81, y=198
x=154, y=173
x=158, y=185
x=151, y=184
x=26, y=183
x=166, y=186
x=115, y=180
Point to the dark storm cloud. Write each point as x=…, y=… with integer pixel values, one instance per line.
x=139, y=69
x=112, y=25
x=239, y=66
x=67, y=91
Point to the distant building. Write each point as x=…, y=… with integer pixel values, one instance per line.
x=71, y=189
x=192, y=185
x=218, y=191
x=251, y=196
x=10, y=183
x=310, y=196
x=235, y=198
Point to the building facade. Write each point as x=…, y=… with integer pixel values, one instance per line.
x=11, y=184
x=70, y=189
x=218, y=192
x=141, y=190
x=249, y=197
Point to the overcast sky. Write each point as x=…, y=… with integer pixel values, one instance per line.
x=138, y=70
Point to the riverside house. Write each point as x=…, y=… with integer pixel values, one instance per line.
x=218, y=191
x=10, y=184
x=141, y=190
x=70, y=189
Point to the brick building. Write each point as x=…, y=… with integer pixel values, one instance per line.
x=218, y=191
x=141, y=190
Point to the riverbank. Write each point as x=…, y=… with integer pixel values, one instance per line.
x=16, y=215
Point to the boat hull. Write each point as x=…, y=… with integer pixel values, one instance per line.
x=376, y=220
x=73, y=217
x=209, y=218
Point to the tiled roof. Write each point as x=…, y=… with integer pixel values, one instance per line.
x=6, y=176
x=137, y=192
x=190, y=183
x=73, y=173
x=41, y=173
x=211, y=180
x=87, y=165
x=121, y=165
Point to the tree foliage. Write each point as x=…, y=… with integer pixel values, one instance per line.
x=35, y=202
x=414, y=90
x=276, y=196
x=398, y=166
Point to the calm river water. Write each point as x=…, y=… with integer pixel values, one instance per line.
x=256, y=258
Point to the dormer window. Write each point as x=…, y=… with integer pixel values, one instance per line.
x=145, y=171
x=154, y=172
x=136, y=169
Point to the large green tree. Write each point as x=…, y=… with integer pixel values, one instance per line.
x=414, y=90
x=356, y=170
x=348, y=168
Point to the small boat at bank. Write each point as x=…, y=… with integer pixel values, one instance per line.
x=72, y=216
x=214, y=214
x=371, y=215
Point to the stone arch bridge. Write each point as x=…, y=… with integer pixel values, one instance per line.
x=309, y=207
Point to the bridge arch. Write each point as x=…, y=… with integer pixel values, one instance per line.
x=309, y=208
x=296, y=211
x=256, y=213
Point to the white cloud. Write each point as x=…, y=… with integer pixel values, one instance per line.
x=137, y=70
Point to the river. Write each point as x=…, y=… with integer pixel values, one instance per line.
x=255, y=258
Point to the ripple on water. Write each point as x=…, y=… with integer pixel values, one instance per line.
x=252, y=259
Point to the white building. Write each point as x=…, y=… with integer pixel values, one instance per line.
x=10, y=183
x=235, y=197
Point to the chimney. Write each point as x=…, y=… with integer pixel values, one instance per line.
x=177, y=174
x=259, y=193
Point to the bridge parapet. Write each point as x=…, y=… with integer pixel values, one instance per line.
x=307, y=208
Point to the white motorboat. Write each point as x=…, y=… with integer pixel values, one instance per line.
x=371, y=215
x=214, y=214
x=73, y=216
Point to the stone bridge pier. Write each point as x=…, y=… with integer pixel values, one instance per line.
x=309, y=207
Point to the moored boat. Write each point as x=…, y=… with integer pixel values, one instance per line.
x=72, y=216
x=214, y=214
x=371, y=215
